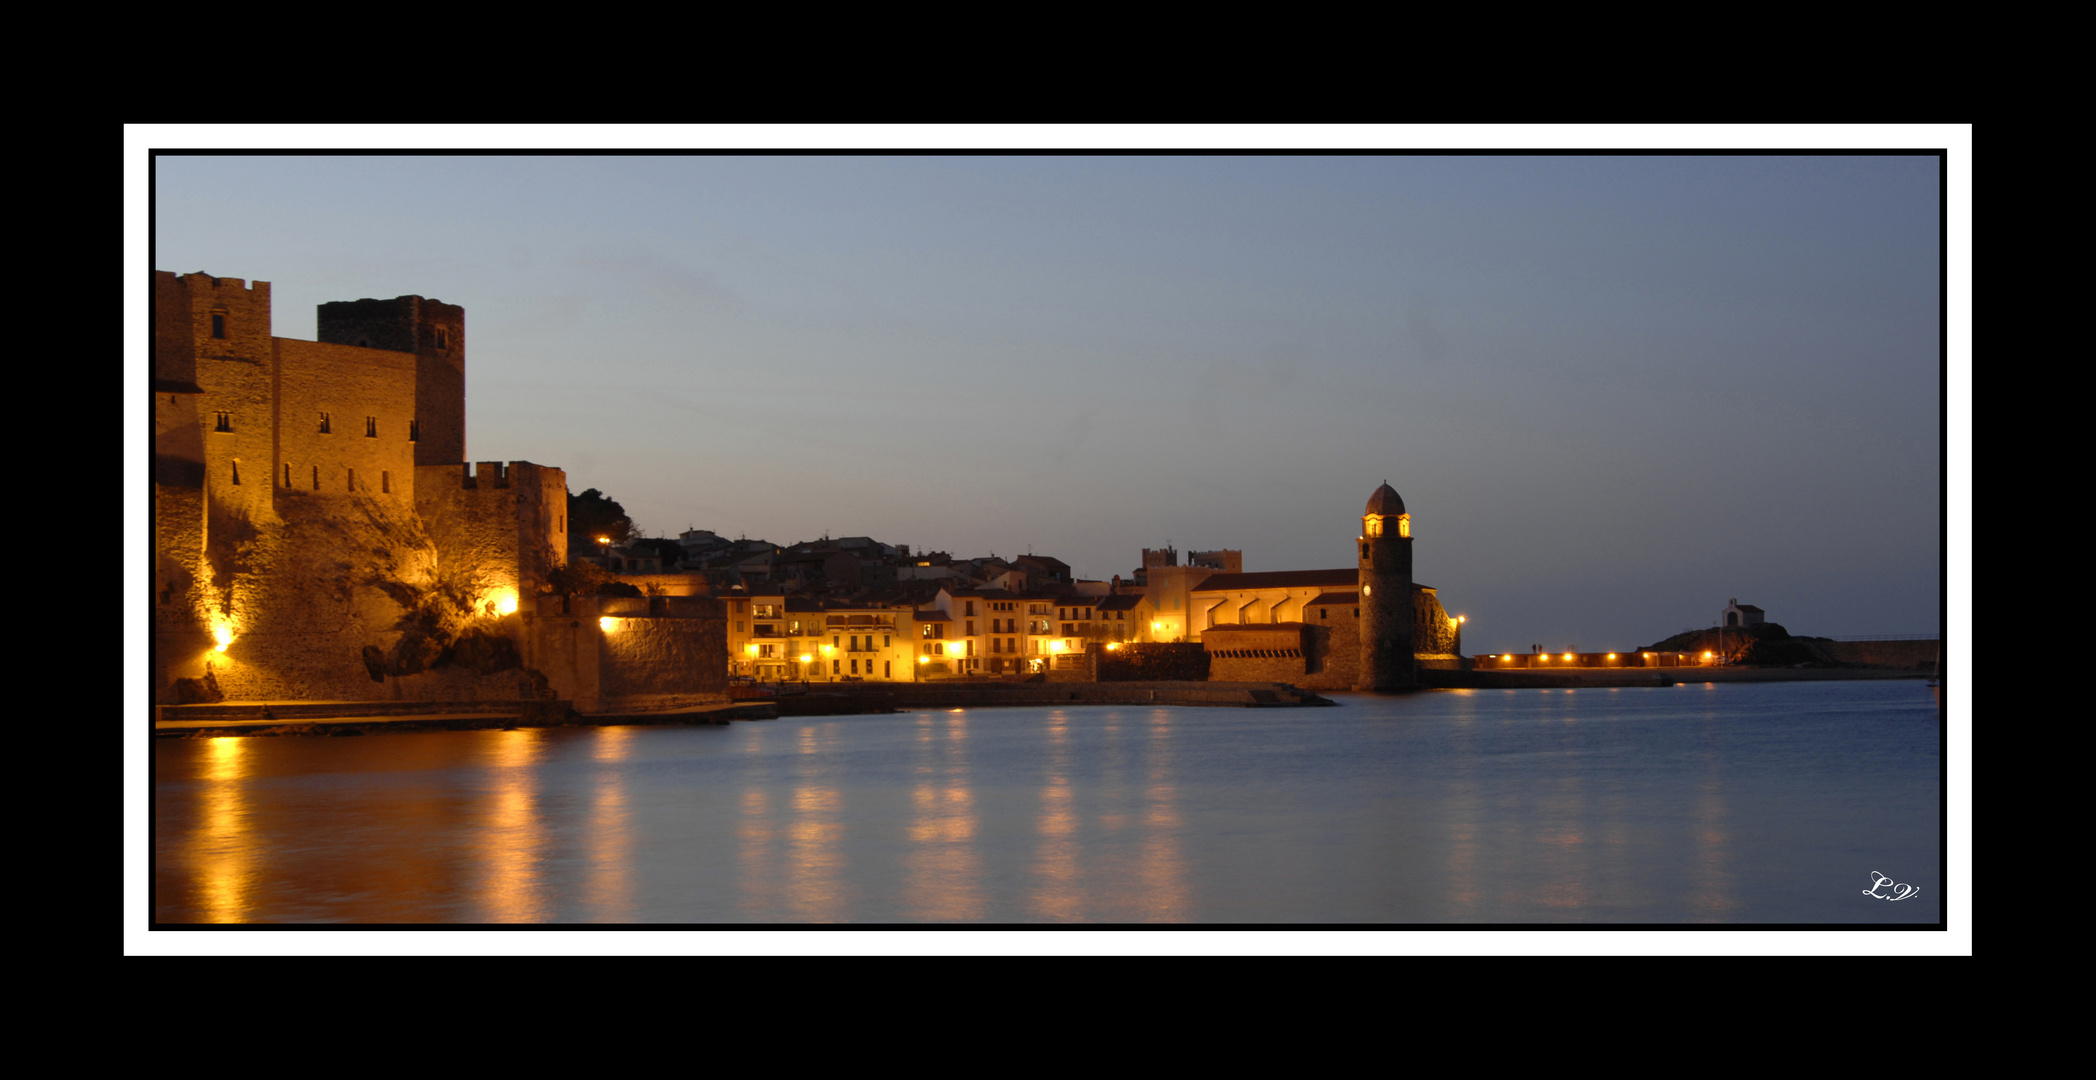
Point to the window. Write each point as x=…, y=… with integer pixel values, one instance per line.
x=352, y=480
x=225, y=422
x=236, y=471
x=836, y=667
x=287, y=474
x=443, y=338
x=971, y=611
x=385, y=482
x=316, y=478
x=415, y=434
x=371, y=427
x=218, y=324
x=887, y=640
x=325, y=425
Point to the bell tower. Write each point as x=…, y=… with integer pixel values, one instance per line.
x=1386, y=593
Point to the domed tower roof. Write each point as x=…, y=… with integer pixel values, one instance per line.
x=1385, y=502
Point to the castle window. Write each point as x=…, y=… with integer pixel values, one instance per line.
x=443, y=338
x=352, y=480
x=325, y=425
x=225, y=422
x=316, y=478
x=371, y=427
x=218, y=324
x=236, y=471
x=287, y=474
x=414, y=430
x=385, y=482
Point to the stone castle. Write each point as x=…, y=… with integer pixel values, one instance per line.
x=320, y=535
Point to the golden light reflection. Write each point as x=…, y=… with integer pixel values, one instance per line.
x=610, y=885
x=814, y=861
x=943, y=867
x=223, y=847
x=756, y=850
x=513, y=835
x=1057, y=894
x=1164, y=869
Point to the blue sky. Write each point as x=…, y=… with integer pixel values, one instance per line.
x=1614, y=391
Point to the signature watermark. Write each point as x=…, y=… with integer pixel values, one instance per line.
x=1892, y=890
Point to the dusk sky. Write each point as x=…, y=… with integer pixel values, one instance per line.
x=1614, y=392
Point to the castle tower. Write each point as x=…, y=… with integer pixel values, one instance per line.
x=436, y=333
x=1386, y=593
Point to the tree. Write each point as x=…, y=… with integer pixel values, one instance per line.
x=593, y=514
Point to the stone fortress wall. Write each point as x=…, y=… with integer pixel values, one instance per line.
x=319, y=535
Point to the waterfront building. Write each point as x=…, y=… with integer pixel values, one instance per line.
x=320, y=534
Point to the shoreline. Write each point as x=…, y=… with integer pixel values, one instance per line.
x=352, y=718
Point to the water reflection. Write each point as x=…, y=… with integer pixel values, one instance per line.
x=512, y=833
x=1489, y=806
x=223, y=848
x=943, y=870
x=1163, y=871
x=610, y=891
x=814, y=836
x=1055, y=868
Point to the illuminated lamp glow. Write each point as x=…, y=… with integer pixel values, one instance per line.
x=1611, y=656
x=751, y=649
x=1112, y=645
x=1568, y=656
x=829, y=648
x=506, y=603
x=805, y=658
x=607, y=624
x=924, y=659
x=223, y=634
x=1364, y=590
x=1055, y=646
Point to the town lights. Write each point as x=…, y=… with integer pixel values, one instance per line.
x=1568, y=656
x=924, y=659
x=223, y=634
x=608, y=624
x=829, y=648
x=805, y=658
x=751, y=649
x=506, y=603
x=1112, y=646
x=1055, y=646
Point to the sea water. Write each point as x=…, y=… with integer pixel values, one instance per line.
x=1699, y=803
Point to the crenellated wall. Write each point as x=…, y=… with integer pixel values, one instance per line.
x=317, y=533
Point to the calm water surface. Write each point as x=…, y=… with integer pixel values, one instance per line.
x=1738, y=802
